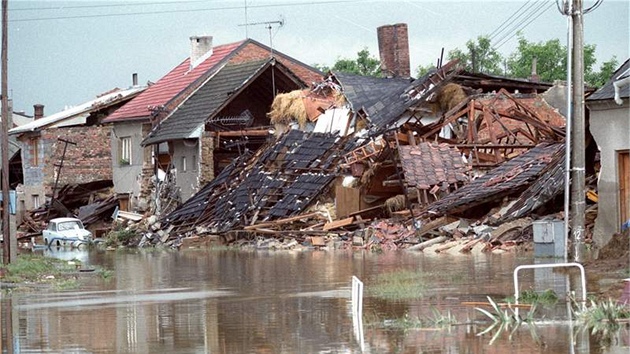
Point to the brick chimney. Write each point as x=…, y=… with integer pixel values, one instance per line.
x=393, y=47
x=200, y=49
x=38, y=111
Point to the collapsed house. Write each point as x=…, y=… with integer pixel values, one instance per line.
x=413, y=150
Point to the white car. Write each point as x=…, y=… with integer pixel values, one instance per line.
x=66, y=232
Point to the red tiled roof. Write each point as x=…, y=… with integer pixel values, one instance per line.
x=427, y=164
x=170, y=85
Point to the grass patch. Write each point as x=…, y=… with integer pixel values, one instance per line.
x=547, y=297
x=398, y=285
x=32, y=268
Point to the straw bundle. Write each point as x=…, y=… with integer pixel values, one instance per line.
x=288, y=107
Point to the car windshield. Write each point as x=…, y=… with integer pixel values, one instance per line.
x=68, y=225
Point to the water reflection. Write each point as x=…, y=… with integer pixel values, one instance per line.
x=198, y=301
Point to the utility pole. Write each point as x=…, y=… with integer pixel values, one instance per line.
x=578, y=133
x=4, y=143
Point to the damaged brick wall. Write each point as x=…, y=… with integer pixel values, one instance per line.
x=146, y=186
x=87, y=161
x=206, y=162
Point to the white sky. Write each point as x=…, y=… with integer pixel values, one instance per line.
x=84, y=48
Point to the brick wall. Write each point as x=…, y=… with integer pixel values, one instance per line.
x=87, y=161
x=393, y=47
x=254, y=52
x=206, y=161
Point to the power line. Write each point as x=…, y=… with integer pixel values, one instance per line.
x=521, y=19
x=532, y=19
x=63, y=7
x=238, y=7
x=498, y=29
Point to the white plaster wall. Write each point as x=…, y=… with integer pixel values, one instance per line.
x=127, y=178
x=187, y=180
x=610, y=126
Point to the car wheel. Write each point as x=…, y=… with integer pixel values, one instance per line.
x=46, y=242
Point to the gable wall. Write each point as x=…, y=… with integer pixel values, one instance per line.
x=610, y=126
x=253, y=52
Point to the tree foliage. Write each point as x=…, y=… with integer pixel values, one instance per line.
x=551, y=61
x=364, y=64
x=479, y=56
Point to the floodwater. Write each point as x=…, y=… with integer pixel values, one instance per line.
x=226, y=301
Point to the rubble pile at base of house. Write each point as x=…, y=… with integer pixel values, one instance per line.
x=92, y=202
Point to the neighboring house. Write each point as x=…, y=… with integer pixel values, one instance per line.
x=15, y=162
x=224, y=118
x=610, y=125
x=198, y=73
x=75, y=135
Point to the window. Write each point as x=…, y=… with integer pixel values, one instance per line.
x=125, y=151
x=34, y=151
x=194, y=162
x=184, y=166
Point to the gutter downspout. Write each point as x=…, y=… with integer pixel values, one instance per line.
x=617, y=85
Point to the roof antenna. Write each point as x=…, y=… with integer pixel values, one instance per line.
x=269, y=25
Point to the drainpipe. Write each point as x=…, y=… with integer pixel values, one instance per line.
x=617, y=85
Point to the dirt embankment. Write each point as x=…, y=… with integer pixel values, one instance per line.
x=611, y=266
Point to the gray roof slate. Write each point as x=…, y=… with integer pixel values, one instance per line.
x=382, y=99
x=205, y=102
x=607, y=92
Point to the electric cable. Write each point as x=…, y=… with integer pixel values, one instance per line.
x=237, y=7
x=503, y=41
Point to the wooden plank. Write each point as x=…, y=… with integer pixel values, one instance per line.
x=347, y=200
x=434, y=224
x=282, y=221
x=338, y=223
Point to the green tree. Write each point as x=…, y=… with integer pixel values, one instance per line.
x=599, y=78
x=364, y=64
x=422, y=70
x=551, y=60
x=479, y=56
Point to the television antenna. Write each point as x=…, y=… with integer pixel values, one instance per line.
x=269, y=25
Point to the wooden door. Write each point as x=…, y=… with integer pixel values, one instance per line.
x=624, y=186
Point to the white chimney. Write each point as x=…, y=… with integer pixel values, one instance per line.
x=200, y=49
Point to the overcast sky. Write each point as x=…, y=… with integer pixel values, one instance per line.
x=65, y=53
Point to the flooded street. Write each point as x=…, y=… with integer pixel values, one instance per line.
x=224, y=301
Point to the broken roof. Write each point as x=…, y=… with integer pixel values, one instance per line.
x=380, y=98
x=509, y=178
x=281, y=180
x=78, y=114
x=212, y=96
x=427, y=164
x=607, y=92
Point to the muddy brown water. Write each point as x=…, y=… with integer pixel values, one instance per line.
x=225, y=301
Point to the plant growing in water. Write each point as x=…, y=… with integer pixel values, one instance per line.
x=603, y=319
x=507, y=320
